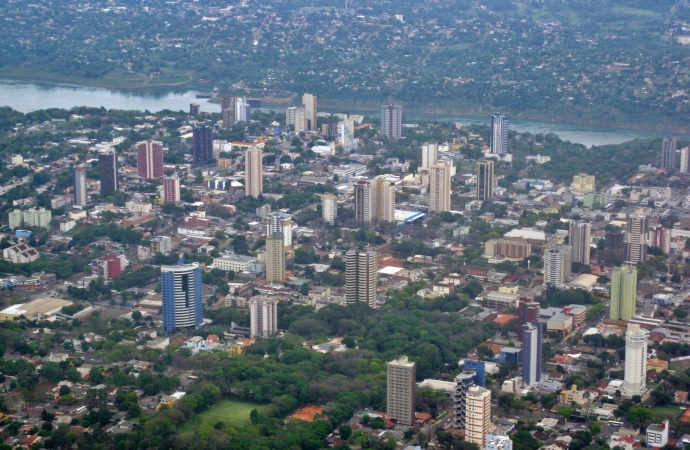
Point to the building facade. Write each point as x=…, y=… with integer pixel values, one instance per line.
x=429, y=155
x=363, y=204
x=107, y=167
x=660, y=237
x=182, y=297
x=310, y=110
x=361, y=276
x=668, y=153
x=439, y=188
x=253, y=172
x=280, y=222
x=623, y=292
x=79, y=186
x=228, y=111
x=580, y=238
x=329, y=208
x=263, y=316
x=478, y=415
x=499, y=134
x=275, y=257
x=297, y=117
x=557, y=264
x=171, y=190
x=635, y=381
x=382, y=199
x=391, y=121
x=202, y=144
x=400, y=390
x=583, y=183
x=346, y=135
x=34, y=217
x=685, y=160
x=485, y=180
x=614, y=241
x=463, y=381
x=150, y=159
x=531, y=353
x=638, y=227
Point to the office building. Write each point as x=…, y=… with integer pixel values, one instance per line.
x=228, y=111
x=400, y=390
x=310, y=110
x=429, y=155
x=463, y=382
x=391, y=121
x=580, y=238
x=614, y=241
x=668, y=153
x=623, y=292
x=657, y=434
x=346, y=135
x=439, y=188
x=150, y=159
x=499, y=134
x=660, y=237
x=361, y=277
x=171, y=190
x=79, y=186
x=194, y=109
x=557, y=265
x=531, y=353
x=107, y=167
x=479, y=368
x=485, y=180
x=382, y=199
x=280, y=222
x=263, y=316
x=37, y=218
x=242, y=110
x=583, y=183
x=685, y=160
x=635, y=379
x=477, y=415
x=638, y=227
x=182, y=297
x=253, y=172
x=202, y=144
x=329, y=208
x=275, y=257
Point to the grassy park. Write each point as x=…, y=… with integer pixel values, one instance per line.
x=227, y=411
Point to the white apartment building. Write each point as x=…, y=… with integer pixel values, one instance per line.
x=138, y=207
x=236, y=263
x=635, y=360
x=263, y=314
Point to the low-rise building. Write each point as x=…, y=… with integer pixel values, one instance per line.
x=236, y=263
x=20, y=254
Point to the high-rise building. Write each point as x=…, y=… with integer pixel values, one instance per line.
x=363, y=204
x=280, y=222
x=107, y=167
x=557, y=265
x=37, y=218
x=171, y=190
x=194, y=109
x=463, y=382
x=429, y=155
x=580, y=238
x=531, y=353
x=668, y=153
x=623, y=292
x=485, y=180
x=528, y=311
x=296, y=116
x=346, y=135
x=635, y=381
x=15, y=219
x=477, y=415
x=275, y=257
x=79, y=186
x=329, y=208
x=479, y=368
x=685, y=160
x=182, y=297
x=150, y=159
x=382, y=199
x=439, y=188
x=583, y=183
x=310, y=110
x=253, y=172
x=400, y=390
x=228, y=111
x=499, y=134
x=638, y=227
x=361, y=276
x=242, y=110
x=330, y=131
x=263, y=316
x=202, y=144
x=614, y=241
x=391, y=121
x=660, y=237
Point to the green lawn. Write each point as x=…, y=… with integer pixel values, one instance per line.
x=673, y=411
x=228, y=411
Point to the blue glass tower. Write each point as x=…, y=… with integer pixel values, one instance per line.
x=479, y=368
x=182, y=300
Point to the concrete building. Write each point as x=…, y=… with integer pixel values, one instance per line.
x=508, y=249
x=635, y=379
x=263, y=316
x=499, y=134
x=29, y=218
x=593, y=200
x=528, y=311
x=580, y=238
x=531, y=353
x=583, y=183
x=171, y=190
x=297, y=117
x=668, y=153
x=107, y=167
x=478, y=415
x=638, y=227
x=182, y=297
x=329, y=208
x=463, y=381
x=382, y=199
x=623, y=292
x=310, y=110
x=660, y=237
x=439, y=188
x=20, y=254
x=109, y=266
x=685, y=160
x=361, y=276
x=243, y=112
x=275, y=257
x=79, y=186
x=280, y=222
x=657, y=434
x=346, y=135
x=202, y=144
x=498, y=442
x=253, y=172
x=391, y=121
x=227, y=111
x=429, y=155
x=15, y=219
x=400, y=390
x=236, y=263
x=150, y=159
x=614, y=241
x=161, y=244
x=557, y=265
x=485, y=180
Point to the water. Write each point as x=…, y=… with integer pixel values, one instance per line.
x=28, y=95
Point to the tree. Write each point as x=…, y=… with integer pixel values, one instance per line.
x=639, y=415
x=675, y=278
x=304, y=289
x=680, y=313
x=345, y=432
x=52, y=371
x=564, y=411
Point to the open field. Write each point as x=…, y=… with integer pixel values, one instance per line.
x=227, y=411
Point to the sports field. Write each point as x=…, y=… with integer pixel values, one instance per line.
x=227, y=411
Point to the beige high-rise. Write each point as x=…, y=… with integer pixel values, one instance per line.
x=580, y=238
x=400, y=390
x=329, y=208
x=383, y=199
x=253, y=172
x=309, y=105
x=477, y=415
x=429, y=155
x=638, y=227
x=275, y=257
x=361, y=277
x=439, y=188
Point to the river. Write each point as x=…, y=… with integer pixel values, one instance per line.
x=29, y=95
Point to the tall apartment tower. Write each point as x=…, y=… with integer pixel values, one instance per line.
x=253, y=172
x=228, y=111
x=557, y=265
x=623, y=292
x=346, y=135
x=107, y=167
x=296, y=116
x=638, y=227
x=329, y=208
x=280, y=222
x=614, y=241
x=668, y=153
x=202, y=144
x=150, y=159
x=439, y=188
x=400, y=390
x=194, y=109
x=463, y=382
x=528, y=311
x=263, y=316
x=79, y=186
x=660, y=237
x=391, y=121
x=361, y=276
x=182, y=300
x=363, y=203
x=499, y=134
x=580, y=237
x=383, y=199
x=171, y=190
x=429, y=155
x=275, y=257
x=485, y=180
x=310, y=110
x=242, y=110
x=635, y=380
x=478, y=415
x=685, y=160
x=531, y=353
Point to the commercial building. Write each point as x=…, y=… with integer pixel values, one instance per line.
x=41, y=307
x=583, y=183
x=478, y=415
x=150, y=159
x=580, y=238
x=634, y=382
x=228, y=111
x=346, y=135
x=400, y=390
x=329, y=208
x=429, y=155
x=361, y=276
x=275, y=257
x=439, y=188
x=499, y=300
x=508, y=249
x=391, y=121
x=638, y=227
x=253, y=172
x=485, y=180
x=171, y=190
x=79, y=186
x=463, y=382
x=236, y=263
x=161, y=244
x=531, y=353
x=668, y=153
x=557, y=265
x=182, y=297
x=499, y=134
x=657, y=434
x=310, y=110
x=280, y=222
x=479, y=368
x=685, y=160
x=107, y=167
x=202, y=144
x=623, y=292
x=263, y=316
